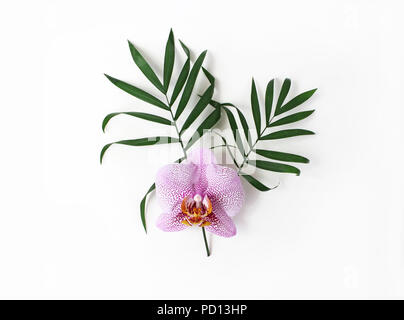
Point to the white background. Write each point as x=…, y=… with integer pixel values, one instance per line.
x=70, y=228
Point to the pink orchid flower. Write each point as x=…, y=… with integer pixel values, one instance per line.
x=199, y=192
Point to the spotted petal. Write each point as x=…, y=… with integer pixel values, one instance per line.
x=220, y=223
x=221, y=184
x=224, y=189
x=171, y=221
x=202, y=159
x=174, y=182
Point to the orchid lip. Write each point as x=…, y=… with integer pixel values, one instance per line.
x=196, y=210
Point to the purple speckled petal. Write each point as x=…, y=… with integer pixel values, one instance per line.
x=174, y=182
x=201, y=158
x=221, y=224
x=224, y=189
x=171, y=221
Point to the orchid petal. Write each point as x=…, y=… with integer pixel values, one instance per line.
x=224, y=189
x=171, y=221
x=174, y=182
x=202, y=157
x=221, y=224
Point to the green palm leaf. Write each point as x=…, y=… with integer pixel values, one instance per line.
x=244, y=124
x=141, y=115
x=139, y=142
x=186, y=49
x=227, y=148
x=292, y=118
x=281, y=156
x=255, y=183
x=182, y=78
x=143, y=206
x=189, y=86
x=269, y=97
x=255, y=108
x=286, y=134
x=138, y=93
x=235, y=130
x=206, y=125
x=297, y=101
x=145, y=67
x=282, y=95
x=202, y=103
x=241, y=116
x=169, y=57
x=274, y=166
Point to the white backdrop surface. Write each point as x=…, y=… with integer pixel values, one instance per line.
x=70, y=228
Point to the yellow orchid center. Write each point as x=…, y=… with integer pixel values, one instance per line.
x=196, y=210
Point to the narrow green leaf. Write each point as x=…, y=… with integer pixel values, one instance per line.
x=208, y=75
x=286, y=134
x=202, y=103
x=219, y=146
x=139, y=142
x=292, y=118
x=228, y=149
x=180, y=81
x=169, y=60
x=241, y=116
x=138, y=93
x=145, y=116
x=147, y=141
x=182, y=77
x=244, y=124
x=185, y=48
x=255, y=108
x=103, y=150
x=281, y=156
x=255, y=183
x=243, y=121
x=179, y=160
x=189, y=86
x=207, y=124
x=274, y=166
x=282, y=95
x=235, y=130
x=269, y=97
x=215, y=104
x=143, y=206
x=145, y=67
x=297, y=101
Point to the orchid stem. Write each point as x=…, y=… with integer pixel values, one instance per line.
x=206, y=241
